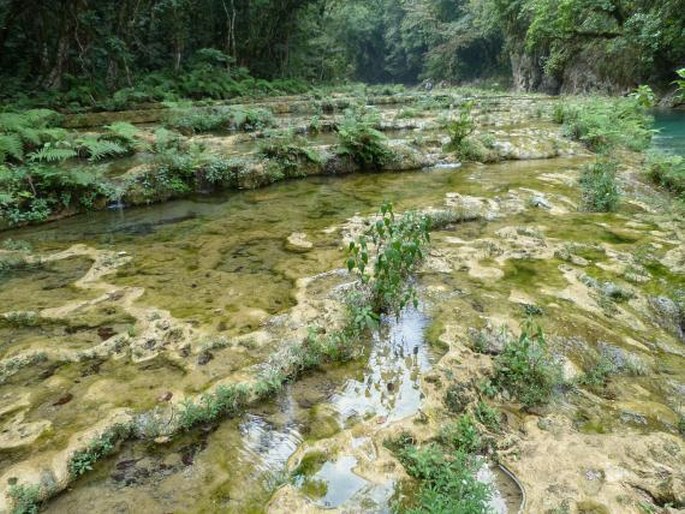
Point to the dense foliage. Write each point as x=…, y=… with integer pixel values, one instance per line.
x=399, y=245
x=79, y=51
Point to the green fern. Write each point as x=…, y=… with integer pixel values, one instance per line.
x=96, y=149
x=42, y=117
x=11, y=146
x=50, y=134
x=6, y=199
x=12, y=121
x=20, y=132
x=53, y=153
x=6, y=176
x=34, y=118
x=126, y=134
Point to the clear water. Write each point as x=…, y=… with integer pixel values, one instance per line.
x=671, y=126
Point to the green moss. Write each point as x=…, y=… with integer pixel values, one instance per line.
x=310, y=464
x=322, y=424
x=433, y=336
x=529, y=274
x=314, y=488
x=591, y=507
x=615, y=237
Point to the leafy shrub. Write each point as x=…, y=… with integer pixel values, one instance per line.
x=488, y=416
x=193, y=121
x=178, y=172
x=225, y=401
x=399, y=246
x=220, y=118
x=456, y=398
x=167, y=140
x=472, y=149
x=597, y=377
x=84, y=460
x=292, y=154
x=598, y=186
x=407, y=113
x=603, y=124
x=525, y=369
x=644, y=96
x=667, y=171
x=461, y=126
x=462, y=435
x=33, y=192
x=361, y=142
x=447, y=482
x=25, y=499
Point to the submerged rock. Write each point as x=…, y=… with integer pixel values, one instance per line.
x=297, y=242
x=539, y=201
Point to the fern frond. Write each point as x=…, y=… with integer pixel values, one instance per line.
x=42, y=117
x=6, y=199
x=80, y=177
x=11, y=146
x=123, y=130
x=52, y=134
x=127, y=134
x=29, y=135
x=12, y=121
x=97, y=149
x=5, y=174
x=52, y=153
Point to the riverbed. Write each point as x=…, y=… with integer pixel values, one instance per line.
x=135, y=310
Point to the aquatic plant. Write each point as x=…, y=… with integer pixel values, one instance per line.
x=600, y=192
x=399, y=244
x=525, y=369
x=316, y=349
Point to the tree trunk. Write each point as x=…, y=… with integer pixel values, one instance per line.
x=54, y=81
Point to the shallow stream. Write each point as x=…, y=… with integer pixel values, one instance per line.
x=224, y=269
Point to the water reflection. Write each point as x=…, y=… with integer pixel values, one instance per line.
x=390, y=385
